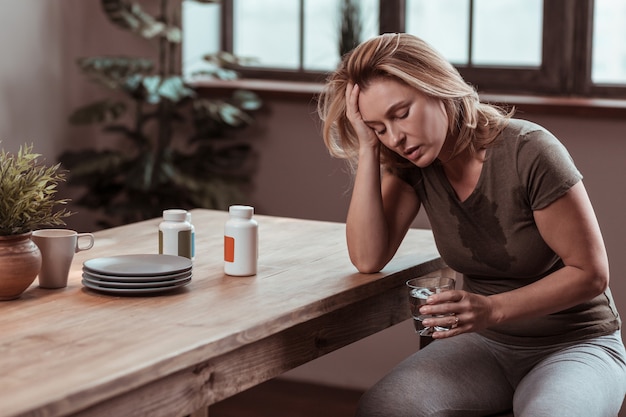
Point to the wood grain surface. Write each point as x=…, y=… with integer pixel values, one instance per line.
x=74, y=351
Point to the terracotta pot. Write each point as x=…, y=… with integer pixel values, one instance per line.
x=20, y=261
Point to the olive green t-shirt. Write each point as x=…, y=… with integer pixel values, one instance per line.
x=492, y=239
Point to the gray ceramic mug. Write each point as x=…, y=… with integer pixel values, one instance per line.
x=58, y=247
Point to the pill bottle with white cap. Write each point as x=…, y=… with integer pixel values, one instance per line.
x=193, y=237
x=241, y=242
x=175, y=233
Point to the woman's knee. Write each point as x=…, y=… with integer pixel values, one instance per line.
x=398, y=396
x=384, y=400
x=585, y=379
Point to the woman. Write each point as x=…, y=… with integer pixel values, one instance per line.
x=535, y=328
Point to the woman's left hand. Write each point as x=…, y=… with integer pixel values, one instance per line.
x=460, y=311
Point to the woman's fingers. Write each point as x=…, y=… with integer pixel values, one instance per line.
x=352, y=102
x=365, y=133
x=459, y=311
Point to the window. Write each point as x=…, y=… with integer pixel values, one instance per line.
x=201, y=35
x=471, y=35
x=554, y=47
x=609, y=42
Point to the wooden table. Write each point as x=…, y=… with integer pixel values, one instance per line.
x=77, y=352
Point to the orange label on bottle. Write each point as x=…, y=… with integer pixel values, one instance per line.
x=229, y=249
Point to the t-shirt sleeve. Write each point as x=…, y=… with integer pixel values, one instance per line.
x=546, y=168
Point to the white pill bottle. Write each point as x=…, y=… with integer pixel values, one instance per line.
x=175, y=233
x=241, y=242
x=193, y=236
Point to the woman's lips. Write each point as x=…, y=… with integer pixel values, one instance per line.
x=412, y=153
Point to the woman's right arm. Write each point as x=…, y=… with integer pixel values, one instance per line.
x=381, y=208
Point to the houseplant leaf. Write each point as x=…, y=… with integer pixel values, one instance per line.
x=223, y=59
x=132, y=17
x=90, y=165
x=103, y=111
x=174, y=89
x=211, y=115
x=233, y=115
x=157, y=168
x=28, y=188
x=113, y=72
x=246, y=100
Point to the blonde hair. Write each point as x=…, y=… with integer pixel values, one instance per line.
x=413, y=62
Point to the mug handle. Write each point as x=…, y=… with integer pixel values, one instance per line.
x=89, y=245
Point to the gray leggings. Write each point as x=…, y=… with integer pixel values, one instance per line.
x=469, y=375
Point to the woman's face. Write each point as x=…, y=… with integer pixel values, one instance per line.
x=406, y=121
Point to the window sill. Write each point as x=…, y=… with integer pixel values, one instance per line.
x=524, y=104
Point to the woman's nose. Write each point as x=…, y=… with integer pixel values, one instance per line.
x=397, y=137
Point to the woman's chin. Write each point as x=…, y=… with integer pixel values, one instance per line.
x=422, y=161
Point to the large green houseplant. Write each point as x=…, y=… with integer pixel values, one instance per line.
x=27, y=202
x=179, y=150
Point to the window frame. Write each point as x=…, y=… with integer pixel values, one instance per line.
x=227, y=44
x=566, y=55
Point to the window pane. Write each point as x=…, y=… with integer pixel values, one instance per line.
x=201, y=34
x=443, y=23
x=507, y=32
x=321, y=18
x=609, y=42
x=268, y=30
x=322, y=23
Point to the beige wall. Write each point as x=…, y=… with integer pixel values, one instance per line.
x=39, y=85
x=31, y=76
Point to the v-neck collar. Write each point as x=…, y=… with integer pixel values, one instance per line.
x=450, y=189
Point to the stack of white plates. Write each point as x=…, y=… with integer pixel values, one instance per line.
x=137, y=274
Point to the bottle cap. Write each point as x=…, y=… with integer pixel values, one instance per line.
x=175, y=215
x=245, y=212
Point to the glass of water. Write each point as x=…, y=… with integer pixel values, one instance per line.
x=419, y=290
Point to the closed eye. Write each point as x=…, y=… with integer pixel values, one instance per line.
x=403, y=115
x=400, y=116
x=374, y=126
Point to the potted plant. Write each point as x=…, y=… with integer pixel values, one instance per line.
x=28, y=202
x=177, y=147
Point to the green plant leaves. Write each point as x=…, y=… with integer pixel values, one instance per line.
x=246, y=100
x=223, y=59
x=104, y=111
x=156, y=167
x=208, y=112
x=114, y=72
x=90, y=166
x=231, y=115
x=173, y=89
x=134, y=77
x=132, y=17
x=28, y=191
x=131, y=186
